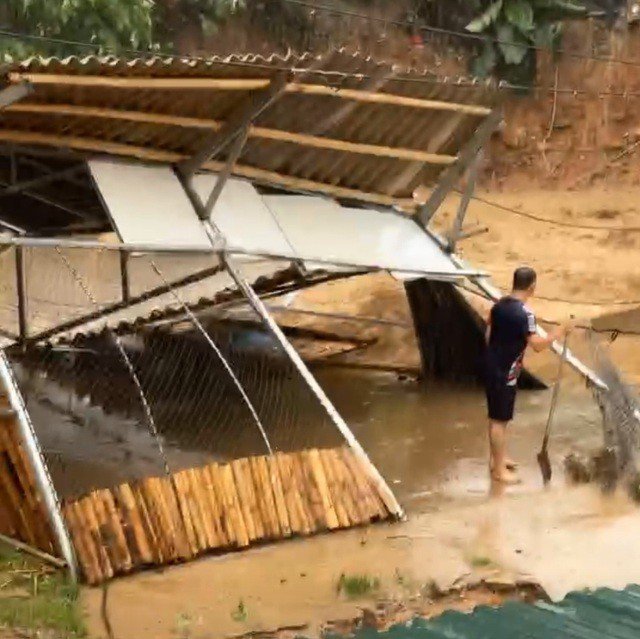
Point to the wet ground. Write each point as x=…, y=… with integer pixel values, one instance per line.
x=430, y=442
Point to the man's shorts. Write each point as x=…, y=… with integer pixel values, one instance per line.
x=501, y=400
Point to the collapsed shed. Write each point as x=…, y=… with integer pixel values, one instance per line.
x=225, y=181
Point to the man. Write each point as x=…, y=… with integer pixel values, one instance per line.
x=511, y=328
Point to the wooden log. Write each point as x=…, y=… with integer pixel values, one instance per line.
x=384, y=504
x=134, y=523
x=159, y=522
x=288, y=487
x=233, y=507
x=89, y=516
x=93, y=556
x=244, y=84
x=256, y=132
x=303, y=497
x=260, y=175
x=34, y=552
x=273, y=469
x=168, y=497
x=244, y=497
x=148, y=523
x=193, y=535
x=27, y=488
x=199, y=509
x=26, y=524
x=264, y=494
x=90, y=570
x=120, y=539
x=106, y=531
x=320, y=480
x=225, y=531
x=256, y=512
x=364, y=490
x=334, y=489
x=334, y=457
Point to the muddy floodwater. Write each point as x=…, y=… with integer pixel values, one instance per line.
x=429, y=441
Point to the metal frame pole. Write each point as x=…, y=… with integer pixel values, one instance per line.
x=21, y=291
x=258, y=306
x=38, y=463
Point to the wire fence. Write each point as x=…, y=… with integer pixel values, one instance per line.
x=137, y=392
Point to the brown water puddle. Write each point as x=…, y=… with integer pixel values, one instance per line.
x=430, y=443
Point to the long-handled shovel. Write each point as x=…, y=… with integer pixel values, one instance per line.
x=543, y=455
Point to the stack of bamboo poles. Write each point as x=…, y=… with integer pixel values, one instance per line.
x=220, y=507
x=22, y=515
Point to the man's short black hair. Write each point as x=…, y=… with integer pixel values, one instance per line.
x=523, y=278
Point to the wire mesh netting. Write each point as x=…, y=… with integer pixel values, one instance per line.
x=124, y=393
x=621, y=421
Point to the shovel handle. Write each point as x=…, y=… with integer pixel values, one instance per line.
x=556, y=389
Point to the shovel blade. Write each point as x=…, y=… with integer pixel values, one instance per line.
x=545, y=465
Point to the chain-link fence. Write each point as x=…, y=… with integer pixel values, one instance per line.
x=121, y=392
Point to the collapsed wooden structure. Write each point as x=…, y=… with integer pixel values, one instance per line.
x=220, y=507
x=243, y=148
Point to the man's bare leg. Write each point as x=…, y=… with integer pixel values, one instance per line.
x=498, y=463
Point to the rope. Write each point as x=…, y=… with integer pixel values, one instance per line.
x=546, y=220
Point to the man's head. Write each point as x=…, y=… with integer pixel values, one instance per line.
x=524, y=281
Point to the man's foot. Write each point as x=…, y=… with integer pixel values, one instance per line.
x=506, y=476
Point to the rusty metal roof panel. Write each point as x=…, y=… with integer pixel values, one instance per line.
x=365, y=144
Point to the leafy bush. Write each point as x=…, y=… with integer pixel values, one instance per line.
x=513, y=28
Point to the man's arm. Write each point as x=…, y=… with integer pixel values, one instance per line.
x=537, y=342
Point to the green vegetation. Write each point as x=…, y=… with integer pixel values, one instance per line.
x=34, y=597
x=513, y=27
x=240, y=613
x=480, y=561
x=113, y=26
x=357, y=586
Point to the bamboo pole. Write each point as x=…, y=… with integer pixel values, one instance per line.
x=288, y=485
x=198, y=484
x=223, y=517
x=83, y=545
x=244, y=498
x=30, y=550
x=93, y=557
x=158, y=522
x=320, y=478
x=127, y=500
x=168, y=499
x=278, y=495
x=147, y=520
x=90, y=519
x=245, y=84
x=304, y=500
x=334, y=489
x=256, y=132
x=155, y=155
x=120, y=540
x=232, y=500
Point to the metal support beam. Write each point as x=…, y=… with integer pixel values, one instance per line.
x=218, y=141
x=225, y=174
x=258, y=306
x=14, y=93
x=124, y=276
x=451, y=175
x=21, y=289
x=456, y=227
x=38, y=465
x=18, y=187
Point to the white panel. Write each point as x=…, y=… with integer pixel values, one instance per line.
x=321, y=229
x=243, y=218
x=147, y=204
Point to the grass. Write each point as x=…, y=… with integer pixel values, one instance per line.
x=34, y=597
x=357, y=586
x=480, y=561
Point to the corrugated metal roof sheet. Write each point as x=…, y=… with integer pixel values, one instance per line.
x=600, y=614
x=154, y=121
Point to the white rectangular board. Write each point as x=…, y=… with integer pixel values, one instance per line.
x=147, y=204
